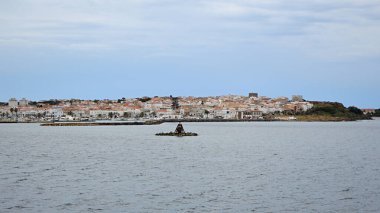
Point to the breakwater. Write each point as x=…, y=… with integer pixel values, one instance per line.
x=102, y=123
x=216, y=120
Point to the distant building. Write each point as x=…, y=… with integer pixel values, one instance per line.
x=282, y=100
x=23, y=102
x=369, y=111
x=13, y=103
x=298, y=98
x=253, y=95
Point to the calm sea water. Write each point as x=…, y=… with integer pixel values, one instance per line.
x=230, y=167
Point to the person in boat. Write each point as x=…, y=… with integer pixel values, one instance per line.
x=179, y=128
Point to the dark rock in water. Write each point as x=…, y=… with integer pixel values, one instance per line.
x=179, y=129
x=177, y=134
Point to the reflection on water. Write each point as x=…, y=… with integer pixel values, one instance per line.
x=229, y=167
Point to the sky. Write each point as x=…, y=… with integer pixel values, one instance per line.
x=326, y=50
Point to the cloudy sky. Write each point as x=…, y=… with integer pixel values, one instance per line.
x=95, y=49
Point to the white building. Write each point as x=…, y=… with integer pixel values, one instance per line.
x=249, y=114
x=298, y=98
x=23, y=102
x=55, y=112
x=225, y=113
x=304, y=106
x=13, y=103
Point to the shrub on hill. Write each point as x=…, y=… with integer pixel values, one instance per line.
x=377, y=113
x=355, y=110
x=336, y=109
x=144, y=99
x=50, y=102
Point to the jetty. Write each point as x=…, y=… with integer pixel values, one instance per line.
x=118, y=123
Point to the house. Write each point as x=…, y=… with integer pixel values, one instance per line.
x=369, y=111
x=12, y=103
x=23, y=102
x=249, y=114
x=297, y=98
x=225, y=113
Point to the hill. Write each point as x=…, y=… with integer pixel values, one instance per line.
x=332, y=111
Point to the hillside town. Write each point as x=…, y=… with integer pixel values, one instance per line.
x=228, y=107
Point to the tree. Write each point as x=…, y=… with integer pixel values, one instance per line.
x=175, y=104
x=121, y=100
x=144, y=99
x=207, y=112
x=126, y=115
x=377, y=113
x=355, y=110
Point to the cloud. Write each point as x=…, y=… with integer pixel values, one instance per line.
x=326, y=29
x=321, y=28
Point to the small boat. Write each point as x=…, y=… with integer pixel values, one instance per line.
x=179, y=132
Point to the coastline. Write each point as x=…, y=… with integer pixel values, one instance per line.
x=157, y=122
x=328, y=118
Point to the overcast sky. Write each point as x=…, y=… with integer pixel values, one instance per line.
x=95, y=49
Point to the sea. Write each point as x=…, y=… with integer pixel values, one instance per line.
x=229, y=167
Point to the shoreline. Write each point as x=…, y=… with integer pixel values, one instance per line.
x=157, y=122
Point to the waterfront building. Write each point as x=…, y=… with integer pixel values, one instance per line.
x=249, y=114
x=225, y=113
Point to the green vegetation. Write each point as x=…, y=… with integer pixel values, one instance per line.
x=207, y=113
x=121, y=100
x=33, y=103
x=332, y=111
x=127, y=115
x=175, y=104
x=51, y=102
x=144, y=99
x=377, y=113
x=355, y=110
